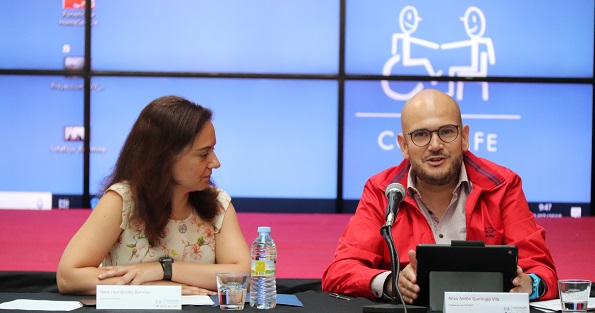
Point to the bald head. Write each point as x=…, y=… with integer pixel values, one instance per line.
x=428, y=106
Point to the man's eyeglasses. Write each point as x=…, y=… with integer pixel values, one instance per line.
x=446, y=133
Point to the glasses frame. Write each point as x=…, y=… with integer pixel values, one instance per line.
x=437, y=131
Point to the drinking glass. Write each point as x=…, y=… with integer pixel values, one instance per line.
x=231, y=288
x=574, y=294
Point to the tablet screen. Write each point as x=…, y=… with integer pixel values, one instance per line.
x=463, y=268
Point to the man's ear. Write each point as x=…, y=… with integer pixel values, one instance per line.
x=465, y=138
x=403, y=145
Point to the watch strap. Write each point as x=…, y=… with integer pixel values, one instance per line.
x=536, y=284
x=166, y=264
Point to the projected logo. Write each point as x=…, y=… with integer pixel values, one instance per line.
x=74, y=133
x=402, y=43
x=76, y=4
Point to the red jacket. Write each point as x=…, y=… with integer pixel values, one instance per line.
x=496, y=213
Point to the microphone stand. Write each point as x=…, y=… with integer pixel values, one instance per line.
x=394, y=305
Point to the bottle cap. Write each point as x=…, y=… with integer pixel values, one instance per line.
x=264, y=229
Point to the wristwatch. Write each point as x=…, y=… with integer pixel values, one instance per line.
x=538, y=287
x=166, y=263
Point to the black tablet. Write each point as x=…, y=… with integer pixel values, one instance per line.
x=463, y=266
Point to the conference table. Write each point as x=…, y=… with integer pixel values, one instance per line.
x=41, y=286
x=313, y=301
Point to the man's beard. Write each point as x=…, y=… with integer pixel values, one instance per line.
x=438, y=179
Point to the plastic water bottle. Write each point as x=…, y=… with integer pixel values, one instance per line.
x=263, y=283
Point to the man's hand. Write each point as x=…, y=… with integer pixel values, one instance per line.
x=522, y=282
x=407, y=282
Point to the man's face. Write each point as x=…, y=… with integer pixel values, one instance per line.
x=437, y=163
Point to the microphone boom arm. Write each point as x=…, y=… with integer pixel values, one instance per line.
x=395, y=193
x=394, y=261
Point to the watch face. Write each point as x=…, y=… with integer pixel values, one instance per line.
x=541, y=287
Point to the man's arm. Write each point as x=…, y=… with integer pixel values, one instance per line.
x=521, y=230
x=359, y=255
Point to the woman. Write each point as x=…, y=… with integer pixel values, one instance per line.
x=161, y=221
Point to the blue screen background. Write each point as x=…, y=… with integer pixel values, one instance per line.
x=275, y=138
x=32, y=36
x=32, y=119
x=531, y=38
x=531, y=123
x=273, y=73
x=261, y=36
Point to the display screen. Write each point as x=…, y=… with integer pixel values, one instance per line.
x=508, y=38
x=42, y=132
x=520, y=126
x=42, y=34
x=237, y=36
x=275, y=138
x=302, y=109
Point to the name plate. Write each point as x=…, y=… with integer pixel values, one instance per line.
x=139, y=297
x=486, y=302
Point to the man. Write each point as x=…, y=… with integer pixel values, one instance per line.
x=451, y=195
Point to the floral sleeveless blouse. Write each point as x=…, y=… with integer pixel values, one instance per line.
x=190, y=240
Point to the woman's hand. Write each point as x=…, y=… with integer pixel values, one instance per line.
x=134, y=274
x=144, y=274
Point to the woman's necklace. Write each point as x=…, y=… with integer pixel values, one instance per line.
x=182, y=227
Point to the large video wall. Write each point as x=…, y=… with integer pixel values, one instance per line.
x=307, y=94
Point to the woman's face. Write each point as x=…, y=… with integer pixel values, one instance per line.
x=193, y=167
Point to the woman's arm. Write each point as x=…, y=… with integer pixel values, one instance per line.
x=78, y=269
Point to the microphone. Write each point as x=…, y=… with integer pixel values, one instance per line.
x=395, y=193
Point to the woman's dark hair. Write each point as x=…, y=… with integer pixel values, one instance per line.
x=163, y=129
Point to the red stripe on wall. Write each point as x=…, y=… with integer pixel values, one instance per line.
x=34, y=240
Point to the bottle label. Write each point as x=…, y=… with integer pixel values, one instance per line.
x=263, y=268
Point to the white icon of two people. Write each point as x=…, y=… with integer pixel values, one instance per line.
x=474, y=22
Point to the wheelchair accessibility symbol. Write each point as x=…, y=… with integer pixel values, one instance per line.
x=474, y=22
